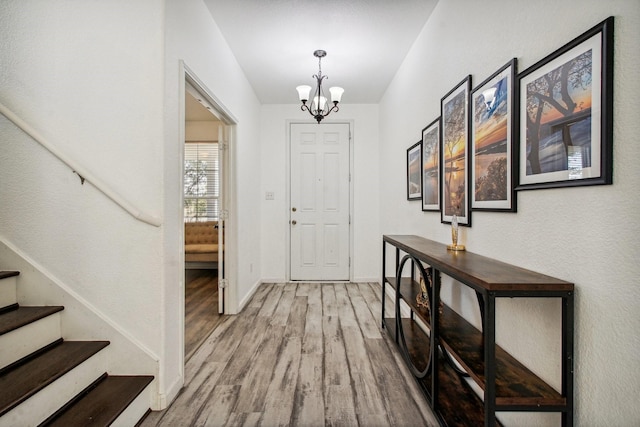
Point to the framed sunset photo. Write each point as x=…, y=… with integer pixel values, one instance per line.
x=492, y=141
x=454, y=149
x=414, y=181
x=431, y=166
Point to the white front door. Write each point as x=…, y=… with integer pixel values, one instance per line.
x=319, y=211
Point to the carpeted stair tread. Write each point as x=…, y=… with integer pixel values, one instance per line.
x=22, y=380
x=101, y=403
x=22, y=316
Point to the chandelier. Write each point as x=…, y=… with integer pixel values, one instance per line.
x=319, y=108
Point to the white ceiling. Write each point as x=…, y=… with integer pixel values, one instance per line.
x=366, y=41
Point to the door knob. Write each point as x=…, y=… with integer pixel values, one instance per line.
x=294, y=209
x=293, y=222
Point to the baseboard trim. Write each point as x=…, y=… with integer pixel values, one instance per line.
x=249, y=295
x=278, y=280
x=366, y=280
x=160, y=401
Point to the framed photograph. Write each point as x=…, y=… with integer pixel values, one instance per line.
x=431, y=166
x=414, y=183
x=492, y=141
x=566, y=114
x=454, y=148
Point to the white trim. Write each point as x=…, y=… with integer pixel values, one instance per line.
x=83, y=173
x=287, y=202
x=165, y=397
x=250, y=294
x=188, y=81
x=366, y=280
x=317, y=282
x=276, y=280
x=351, y=199
x=188, y=77
x=231, y=228
x=223, y=113
x=160, y=401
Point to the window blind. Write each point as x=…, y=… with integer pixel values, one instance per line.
x=201, y=181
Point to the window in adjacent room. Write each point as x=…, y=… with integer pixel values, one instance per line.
x=201, y=181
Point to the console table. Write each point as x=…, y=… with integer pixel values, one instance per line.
x=507, y=384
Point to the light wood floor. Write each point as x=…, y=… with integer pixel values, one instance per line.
x=300, y=355
x=201, y=308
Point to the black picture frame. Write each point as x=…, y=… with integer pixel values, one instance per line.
x=414, y=180
x=566, y=114
x=454, y=149
x=430, y=166
x=493, y=156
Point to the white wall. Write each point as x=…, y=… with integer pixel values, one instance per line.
x=101, y=81
x=87, y=76
x=192, y=36
x=584, y=235
x=273, y=178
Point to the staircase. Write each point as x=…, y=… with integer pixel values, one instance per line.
x=47, y=381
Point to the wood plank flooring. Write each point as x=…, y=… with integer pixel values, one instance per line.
x=201, y=308
x=300, y=355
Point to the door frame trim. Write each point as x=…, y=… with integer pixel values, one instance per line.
x=287, y=216
x=187, y=76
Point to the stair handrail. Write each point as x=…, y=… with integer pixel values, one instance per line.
x=82, y=173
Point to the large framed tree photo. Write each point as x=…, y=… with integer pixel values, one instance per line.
x=566, y=114
x=454, y=114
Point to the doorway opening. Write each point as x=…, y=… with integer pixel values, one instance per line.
x=205, y=200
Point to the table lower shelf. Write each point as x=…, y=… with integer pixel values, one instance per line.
x=457, y=403
x=517, y=387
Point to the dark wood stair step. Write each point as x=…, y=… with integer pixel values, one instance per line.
x=21, y=316
x=9, y=308
x=101, y=403
x=23, y=379
x=7, y=274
